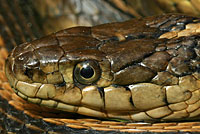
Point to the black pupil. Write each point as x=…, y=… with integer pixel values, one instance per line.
x=87, y=72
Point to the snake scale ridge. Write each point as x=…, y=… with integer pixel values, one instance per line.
x=140, y=70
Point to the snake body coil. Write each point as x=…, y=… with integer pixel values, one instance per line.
x=141, y=69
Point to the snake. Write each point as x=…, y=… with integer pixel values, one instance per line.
x=143, y=69
x=138, y=70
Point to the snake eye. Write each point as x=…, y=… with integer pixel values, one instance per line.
x=87, y=72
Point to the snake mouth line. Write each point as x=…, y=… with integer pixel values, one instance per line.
x=92, y=103
x=80, y=109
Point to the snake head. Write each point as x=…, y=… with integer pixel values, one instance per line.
x=141, y=69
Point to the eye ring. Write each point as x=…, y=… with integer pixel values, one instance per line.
x=87, y=72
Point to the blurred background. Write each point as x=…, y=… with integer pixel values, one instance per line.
x=25, y=20
x=59, y=14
